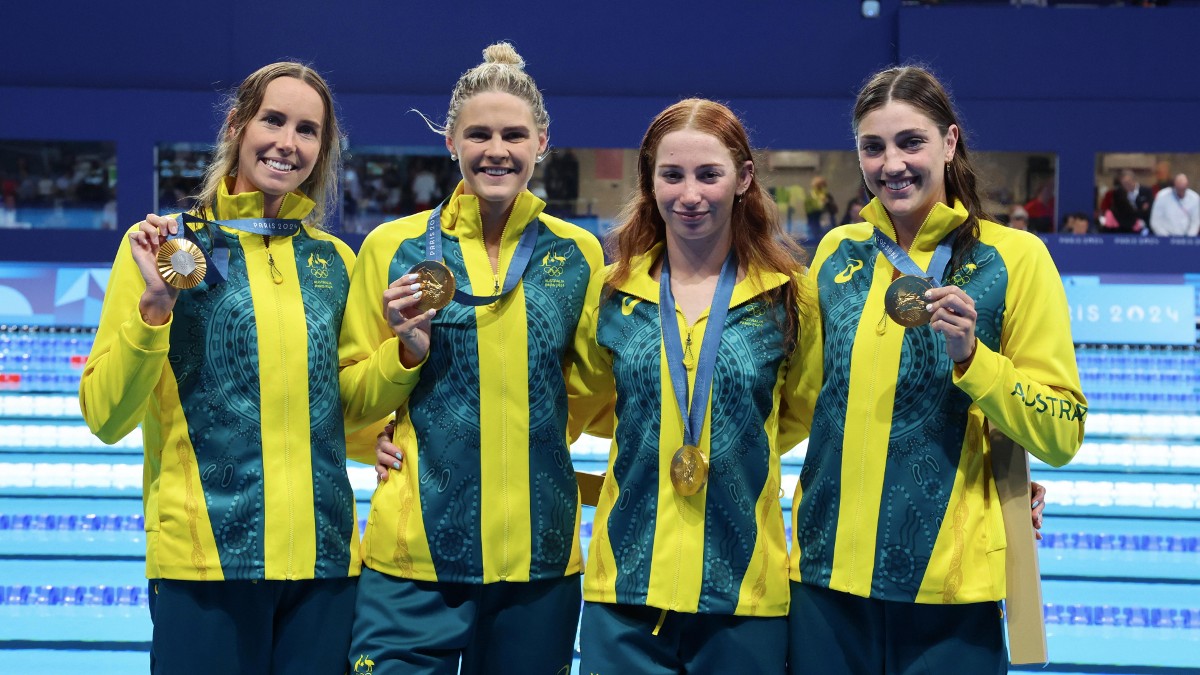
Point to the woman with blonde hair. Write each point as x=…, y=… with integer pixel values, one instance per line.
x=231, y=371
x=463, y=322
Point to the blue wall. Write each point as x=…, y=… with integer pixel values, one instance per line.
x=1070, y=81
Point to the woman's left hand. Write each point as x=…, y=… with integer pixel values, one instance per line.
x=954, y=316
x=1037, y=504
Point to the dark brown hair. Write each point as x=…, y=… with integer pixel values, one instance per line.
x=917, y=87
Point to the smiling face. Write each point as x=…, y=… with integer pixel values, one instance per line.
x=695, y=183
x=903, y=158
x=281, y=143
x=497, y=143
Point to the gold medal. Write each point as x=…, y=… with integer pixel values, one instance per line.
x=181, y=263
x=437, y=284
x=905, y=301
x=689, y=470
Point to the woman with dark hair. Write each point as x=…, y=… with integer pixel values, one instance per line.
x=936, y=322
x=700, y=335
x=231, y=371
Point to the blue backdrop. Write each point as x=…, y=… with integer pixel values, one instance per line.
x=1072, y=81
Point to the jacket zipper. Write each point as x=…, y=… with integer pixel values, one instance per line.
x=495, y=307
x=277, y=277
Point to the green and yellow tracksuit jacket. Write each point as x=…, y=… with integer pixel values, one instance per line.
x=896, y=499
x=722, y=550
x=237, y=396
x=487, y=490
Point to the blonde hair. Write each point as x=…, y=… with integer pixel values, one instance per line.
x=242, y=105
x=502, y=70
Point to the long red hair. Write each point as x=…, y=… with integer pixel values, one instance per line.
x=758, y=237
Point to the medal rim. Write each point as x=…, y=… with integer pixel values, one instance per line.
x=685, y=488
x=890, y=299
x=426, y=302
x=167, y=271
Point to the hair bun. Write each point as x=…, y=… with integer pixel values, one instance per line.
x=503, y=53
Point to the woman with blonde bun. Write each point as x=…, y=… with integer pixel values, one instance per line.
x=472, y=547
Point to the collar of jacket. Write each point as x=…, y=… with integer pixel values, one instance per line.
x=940, y=221
x=640, y=284
x=296, y=205
x=462, y=218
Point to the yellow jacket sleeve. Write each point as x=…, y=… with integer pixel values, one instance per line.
x=373, y=381
x=591, y=391
x=802, y=381
x=1030, y=390
x=128, y=356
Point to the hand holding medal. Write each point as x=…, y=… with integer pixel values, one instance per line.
x=409, y=304
x=411, y=301
x=146, y=244
x=952, y=313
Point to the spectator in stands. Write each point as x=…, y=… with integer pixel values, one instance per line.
x=852, y=208
x=1018, y=218
x=1040, y=209
x=1075, y=223
x=425, y=189
x=8, y=211
x=1131, y=203
x=1163, y=178
x=819, y=207
x=1176, y=212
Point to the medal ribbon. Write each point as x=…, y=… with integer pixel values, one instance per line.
x=218, y=261
x=693, y=410
x=516, y=267
x=901, y=260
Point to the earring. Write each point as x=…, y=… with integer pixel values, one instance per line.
x=453, y=157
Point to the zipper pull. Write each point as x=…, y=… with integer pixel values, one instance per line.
x=276, y=275
x=689, y=360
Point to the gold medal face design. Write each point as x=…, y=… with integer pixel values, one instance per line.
x=437, y=284
x=181, y=263
x=689, y=470
x=905, y=301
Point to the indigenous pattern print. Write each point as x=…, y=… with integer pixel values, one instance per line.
x=445, y=407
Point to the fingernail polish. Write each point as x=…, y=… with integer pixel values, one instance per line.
x=396, y=465
x=416, y=295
